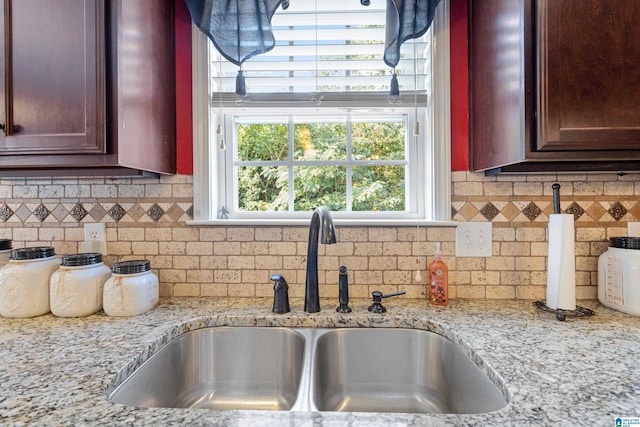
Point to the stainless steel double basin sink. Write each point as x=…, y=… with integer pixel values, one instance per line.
x=312, y=369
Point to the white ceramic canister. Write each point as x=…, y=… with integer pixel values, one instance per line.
x=76, y=288
x=5, y=251
x=619, y=275
x=24, y=282
x=132, y=289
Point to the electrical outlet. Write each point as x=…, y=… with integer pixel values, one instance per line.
x=95, y=231
x=95, y=238
x=473, y=239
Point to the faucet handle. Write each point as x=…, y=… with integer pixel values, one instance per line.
x=377, y=306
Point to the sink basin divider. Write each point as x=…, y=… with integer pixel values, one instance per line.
x=304, y=400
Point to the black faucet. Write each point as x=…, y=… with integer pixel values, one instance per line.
x=280, y=295
x=343, y=291
x=322, y=226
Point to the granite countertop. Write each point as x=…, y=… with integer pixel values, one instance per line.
x=585, y=371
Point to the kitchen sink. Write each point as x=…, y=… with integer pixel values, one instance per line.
x=220, y=368
x=398, y=370
x=312, y=369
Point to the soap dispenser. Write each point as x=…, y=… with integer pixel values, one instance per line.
x=438, y=292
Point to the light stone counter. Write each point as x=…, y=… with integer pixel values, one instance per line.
x=584, y=371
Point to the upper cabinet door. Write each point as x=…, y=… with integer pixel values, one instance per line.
x=52, y=77
x=589, y=93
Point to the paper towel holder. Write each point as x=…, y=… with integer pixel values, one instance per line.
x=562, y=315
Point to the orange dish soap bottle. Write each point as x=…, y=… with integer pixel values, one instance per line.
x=438, y=279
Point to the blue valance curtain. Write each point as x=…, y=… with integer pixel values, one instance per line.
x=406, y=19
x=240, y=29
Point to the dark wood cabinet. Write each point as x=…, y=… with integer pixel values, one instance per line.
x=141, y=83
x=554, y=85
x=52, y=79
x=88, y=88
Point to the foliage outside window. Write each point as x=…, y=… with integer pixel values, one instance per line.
x=344, y=162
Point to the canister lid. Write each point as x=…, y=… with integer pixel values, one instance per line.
x=131, y=267
x=35, y=252
x=5, y=244
x=78, y=260
x=625, y=242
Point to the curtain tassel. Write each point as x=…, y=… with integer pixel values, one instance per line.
x=241, y=88
x=395, y=88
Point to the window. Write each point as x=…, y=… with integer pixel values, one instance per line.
x=318, y=126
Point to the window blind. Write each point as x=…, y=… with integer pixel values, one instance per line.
x=327, y=46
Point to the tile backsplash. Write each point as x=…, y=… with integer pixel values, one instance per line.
x=145, y=219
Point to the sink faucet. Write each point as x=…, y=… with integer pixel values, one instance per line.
x=322, y=225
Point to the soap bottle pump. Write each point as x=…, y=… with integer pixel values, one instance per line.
x=438, y=279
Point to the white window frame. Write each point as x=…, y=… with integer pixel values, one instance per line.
x=414, y=160
x=207, y=194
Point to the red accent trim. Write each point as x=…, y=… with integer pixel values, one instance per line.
x=459, y=86
x=184, y=109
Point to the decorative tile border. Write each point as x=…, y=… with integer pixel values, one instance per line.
x=494, y=211
x=96, y=211
x=613, y=211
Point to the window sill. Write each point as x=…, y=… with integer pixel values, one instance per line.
x=305, y=222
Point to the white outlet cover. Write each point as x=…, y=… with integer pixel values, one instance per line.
x=474, y=239
x=95, y=231
x=95, y=238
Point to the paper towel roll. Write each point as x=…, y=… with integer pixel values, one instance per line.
x=561, y=273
